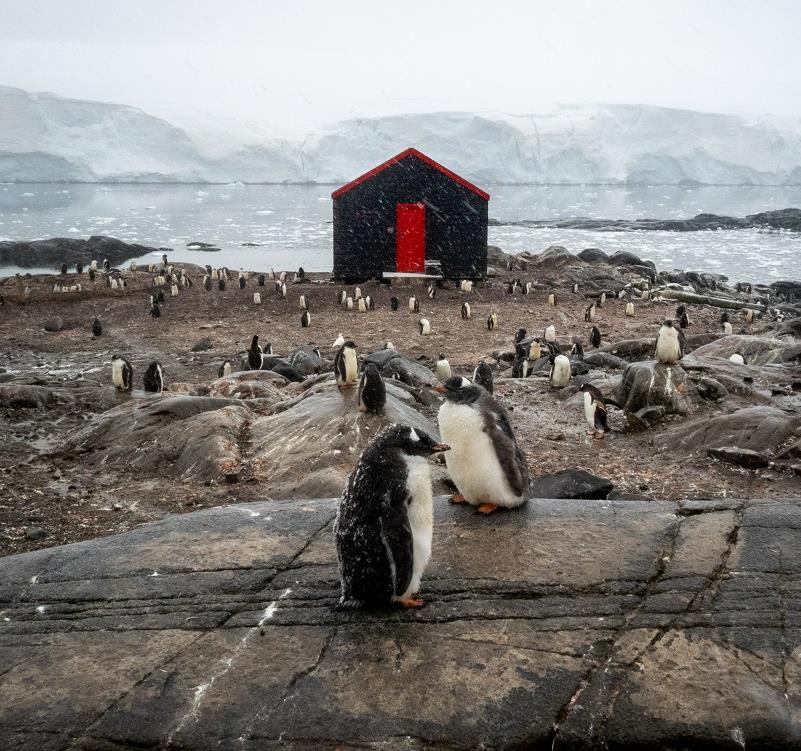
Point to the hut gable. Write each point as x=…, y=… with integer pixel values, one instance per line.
x=410, y=214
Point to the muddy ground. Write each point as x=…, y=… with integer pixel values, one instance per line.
x=48, y=499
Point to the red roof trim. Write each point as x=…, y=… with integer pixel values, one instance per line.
x=398, y=158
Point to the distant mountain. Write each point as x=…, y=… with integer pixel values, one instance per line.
x=44, y=137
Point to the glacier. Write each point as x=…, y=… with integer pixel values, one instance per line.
x=48, y=138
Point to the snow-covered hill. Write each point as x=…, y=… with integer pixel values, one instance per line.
x=44, y=137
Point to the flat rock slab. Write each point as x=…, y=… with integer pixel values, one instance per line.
x=564, y=624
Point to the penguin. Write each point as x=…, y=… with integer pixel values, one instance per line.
x=394, y=303
x=520, y=365
x=221, y=285
x=174, y=290
x=680, y=310
x=257, y=298
x=575, y=289
x=342, y=297
x=424, y=325
x=255, y=354
x=550, y=333
x=111, y=282
x=372, y=394
x=305, y=319
x=748, y=314
x=164, y=258
x=241, y=282
x=520, y=334
x=484, y=461
x=160, y=296
x=63, y=269
x=155, y=309
x=527, y=288
x=362, y=305
x=552, y=300
x=225, y=369
x=339, y=341
x=577, y=351
x=432, y=291
x=465, y=313
x=93, y=265
x=534, y=350
x=283, y=291
x=467, y=285
x=346, y=366
x=559, y=376
x=92, y=274
x=282, y=277
x=97, y=327
x=589, y=313
x=388, y=345
x=368, y=301
x=349, y=303
x=727, y=329
x=646, y=295
x=207, y=283
x=595, y=337
x=602, y=300
x=442, y=369
x=301, y=273
x=79, y=267
x=492, y=321
x=261, y=280
x=414, y=305
x=106, y=264
x=56, y=287
x=384, y=524
x=630, y=309
x=121, y=373
x=153, y=378
x=357, y=293
x=594, y=410
x=271, y=275
x=482, y=376
x=684, y=320
x=737, y=359
x=302, y=304
x=668, y=349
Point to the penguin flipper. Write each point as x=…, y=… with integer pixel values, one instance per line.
x=510, y=457
x=396, y=534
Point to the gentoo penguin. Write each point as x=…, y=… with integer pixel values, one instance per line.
x=589, y=313
x=92, y=275
x=594, y=410
x=388, y=345
x=207, y=283
x=301, y=273
x=748, y=314
x=261, y=280
x=630, y=309
x=155, y=309
x=93, y=265
x=432, y=291
x=442, y=369
x=372, y=395
x=414, y=305
x=160, y=296
x=559, y=376
x=520, y=334
x=384, y=523
x=577, y=351
x=424, y=326
x=225, y=369
x=257, y=298
x=595, y=337
x=153, y=378
x=552, y=300
x=668, y=349
x=255, y=354
x=727, y=329
x=283, y=291
x=510, y=288
x=121, y=373
x=305, y=319
x=550, y=333
x=482, y=376
x=534, y=350
x=520, y=365
x=221, y=285
x=737, y=359
x=342, y=296
x=394, y=303
x=302, y=304
x=174, y=290
x=492, y=321
x=527, y=288
x=339, y=341
x=484, y=462
x=362, y=305
x=465, y=311
x=368, y=301
x=357, y=293
x=346, y=366
x=282, y=276
x=63, y=269
x=602, y=300
x=241, y=282
x=106, y=264
x=79, y=267
x=97, y=327
x=575, y=289
x=349, y=303
x=684, y=320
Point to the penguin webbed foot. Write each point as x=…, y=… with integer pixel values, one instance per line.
x=457, y=498
x=411, y=602
x=487, y=508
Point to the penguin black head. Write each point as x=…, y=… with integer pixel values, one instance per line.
x=409, y=441
x=254, y=342
x=520, y=334
x=667, y=322
x=459, y=390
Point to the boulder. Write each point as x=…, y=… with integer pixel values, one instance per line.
x=593, y=255
x=396, y=365
x=306, y=360
x=203, y=345
x=625, y=258
x=761, y=429
x=741, y=457
x=53, y=324
x=571, y=483
x=652, y=384
x=756, y=350
x=631, y=349
x=25, y=396
x=69, y=250
x=604, y=360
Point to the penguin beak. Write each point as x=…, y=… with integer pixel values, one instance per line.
x=440, y=389
x=439, y=448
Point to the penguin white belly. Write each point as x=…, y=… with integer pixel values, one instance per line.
x=351, y=366
x=116, y=375
x=589, y=410
x=421, y=518
x=667, y=347
x=472, y=462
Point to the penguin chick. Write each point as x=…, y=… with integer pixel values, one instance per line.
x=255, y=354
x=121, y=373
x=442, y=369
x=485, y=462
x=594, y=410
x=559, y=376
x=384, y=524
x=153, y=378
x=668, y=349
x=372, y=395
x=482, y=376
x=346, y=366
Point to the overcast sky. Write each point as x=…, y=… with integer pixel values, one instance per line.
x=294, y=65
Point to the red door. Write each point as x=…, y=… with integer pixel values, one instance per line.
x=410, y=231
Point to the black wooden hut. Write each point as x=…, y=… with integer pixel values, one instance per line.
x=410, y=215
